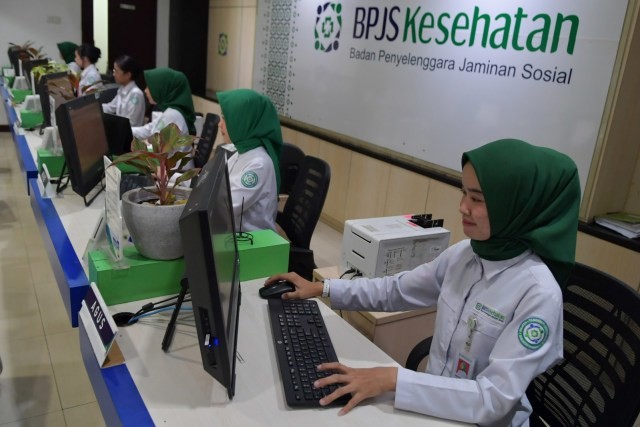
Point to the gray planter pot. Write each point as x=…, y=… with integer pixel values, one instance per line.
x=154, y=229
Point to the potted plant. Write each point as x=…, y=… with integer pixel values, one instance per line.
x=151, y=213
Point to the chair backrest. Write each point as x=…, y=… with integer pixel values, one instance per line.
x=290, y=158
x=207, y=139
x=304, y=205
x=598, y=381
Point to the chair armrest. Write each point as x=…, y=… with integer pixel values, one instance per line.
x=419, y=352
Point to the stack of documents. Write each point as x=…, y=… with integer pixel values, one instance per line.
x=625, y=223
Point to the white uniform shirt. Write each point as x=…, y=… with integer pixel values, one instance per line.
x=252, y=177
x=89, y=76
x=129, y=103
x=74, y=67
x=514, y=303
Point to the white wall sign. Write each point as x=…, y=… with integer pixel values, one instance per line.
x=434, y=78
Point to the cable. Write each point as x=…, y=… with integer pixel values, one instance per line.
x=349, y=271
x=160, y=310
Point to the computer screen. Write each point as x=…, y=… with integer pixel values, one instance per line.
x=119, y=135
x=16, y=55
x=212, y=270
x=56, y=86
x=84, y=141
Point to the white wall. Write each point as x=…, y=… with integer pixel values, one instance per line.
x=101, y=32
x=46, y=23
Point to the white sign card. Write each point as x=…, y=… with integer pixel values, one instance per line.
x=113, y=209
x=101, y=328
x=47, y=190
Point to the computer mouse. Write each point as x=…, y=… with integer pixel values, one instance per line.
x=277, y=289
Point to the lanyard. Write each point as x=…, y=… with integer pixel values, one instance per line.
x=472, y=324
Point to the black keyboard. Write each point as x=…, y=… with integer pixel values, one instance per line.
x=302, y=343
x=132, y=181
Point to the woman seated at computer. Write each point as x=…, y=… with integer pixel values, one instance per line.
x=169, y=90
x=250, y=122
x=68, y=55
x=90, y=79
x=129, y=101
x=499, y=299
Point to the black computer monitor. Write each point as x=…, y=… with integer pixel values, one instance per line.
x=28, y=66
x=212, y=270
x=54, y=87
x=119, y=135
x=84, y=142
x=17, y=54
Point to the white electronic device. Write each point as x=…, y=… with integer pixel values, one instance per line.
x=378, y=247
x=20, y=83
x=32, y=103
x=51, y=140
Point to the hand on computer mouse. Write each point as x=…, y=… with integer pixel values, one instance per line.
x=276, y=289
x=303, y=288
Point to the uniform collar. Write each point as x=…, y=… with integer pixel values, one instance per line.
x=88, y=69
x=124, y=90
x=493, y=268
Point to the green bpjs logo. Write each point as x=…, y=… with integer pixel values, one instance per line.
x=249, y=179
x=328, y=26
x=223, y=44
x=533, y=332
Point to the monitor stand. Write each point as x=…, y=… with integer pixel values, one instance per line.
x=60, y=187
x=171, y=327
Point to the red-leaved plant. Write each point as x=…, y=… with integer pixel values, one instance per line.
x=163, y=161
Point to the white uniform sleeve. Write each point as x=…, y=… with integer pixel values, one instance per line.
x=111, y=107
x=168, y=116
x=496, y=391
x=247, y=183
x=134, y=109
x=144, y=132
x=418, y=288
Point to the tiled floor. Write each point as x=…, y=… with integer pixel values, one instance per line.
x=44, y=382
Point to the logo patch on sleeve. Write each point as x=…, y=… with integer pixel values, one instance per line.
x=533, y=333
x=249, y=179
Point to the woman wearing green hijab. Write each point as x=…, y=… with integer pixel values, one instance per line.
x=169, y=90
x=68, y=55
x=250, y=122
x=499, y=299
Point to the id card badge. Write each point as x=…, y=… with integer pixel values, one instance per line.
x=465, y=367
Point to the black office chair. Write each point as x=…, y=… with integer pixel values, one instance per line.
x=302, y=211
x=290, y=158
x=207, y=139
x=598, y=381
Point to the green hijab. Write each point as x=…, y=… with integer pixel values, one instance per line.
x=252, y=121
x=533, y=197
x=170, y=89
x=67, y=51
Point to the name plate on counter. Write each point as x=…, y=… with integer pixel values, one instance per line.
x=100, y=328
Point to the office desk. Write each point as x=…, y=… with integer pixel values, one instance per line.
x=175, y=390
x=396, y=333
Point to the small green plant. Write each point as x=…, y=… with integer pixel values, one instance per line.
x=49, y=68
x=163, y=161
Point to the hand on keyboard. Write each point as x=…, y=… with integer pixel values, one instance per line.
x=361, y=383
